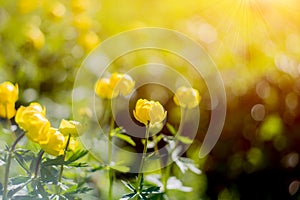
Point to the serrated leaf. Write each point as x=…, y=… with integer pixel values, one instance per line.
x=19, y=180
x=76, y=156
x=129, y=186
x=171, y=129
x=17, y=187
x=128, y=196
x=151, y=189
x=185, y=140
x=55, y=161
x=19, y=158
x=125, y=138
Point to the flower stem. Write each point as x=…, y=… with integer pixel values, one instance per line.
x=38, y=161
x=110, y=171
x=142, y=162
x=8, y=162
x=62, y=165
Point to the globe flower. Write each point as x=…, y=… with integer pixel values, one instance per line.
x=8, y=92
x=56, y=143
x=70, y=127
x=115, y=85
x=187, y=97
x=7, y=110
x=149, y=112
x=33, y=121
x=122, y=83
x=103, y=89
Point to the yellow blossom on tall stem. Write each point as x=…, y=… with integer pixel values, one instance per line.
x=33, y=121
x=8, y=92
x=187, y=97
x=8, y=96
x=149, y=112
x=71, y=127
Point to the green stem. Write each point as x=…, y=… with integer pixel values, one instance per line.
x=142, y=162
x=62, y=165
x=158, y=154
x=8, y=162
x=169, y=166
x=110, y=171
x=38, y=161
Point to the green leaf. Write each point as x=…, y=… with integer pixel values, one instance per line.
x=121, y=168
x=129, y=186
x=171, y=129
x=117, y=130
x=19, y=180
x=185, y=140
x=128, y=196
x=151, y=190
x=22, y=163
x=101, y=167
x=13, y=189
x=76, y=156
x=55, y=161
x=125, y=138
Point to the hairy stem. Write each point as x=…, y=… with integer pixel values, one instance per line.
x=62, y=165
x=38, y=161
x=110, y=171
x=142, y=161
x=8, y=162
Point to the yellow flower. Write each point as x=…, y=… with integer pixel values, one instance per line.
x=7, y=110
x=56, y=144
x=35, y=36
x=8, y=92
x=115, y=85
x=187, y=97
x=70, y=127
x=122, y=83
x=103, y=89
x=149, y=112
x=32, y=120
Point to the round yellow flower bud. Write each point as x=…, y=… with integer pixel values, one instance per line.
x=70, y=127
x=149, y=112
x=7, y=110
x=8, y=92
x=122, y=83
x=32, y=120
x=56, y=144
x=187, y=97
x=103, y=89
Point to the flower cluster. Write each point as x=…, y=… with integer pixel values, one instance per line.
x=109, y=88
x=32, y=119
x=9, y=95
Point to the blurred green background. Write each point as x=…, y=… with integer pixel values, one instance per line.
x=254, y=43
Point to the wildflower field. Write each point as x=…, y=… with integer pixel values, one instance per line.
x=158, y=100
